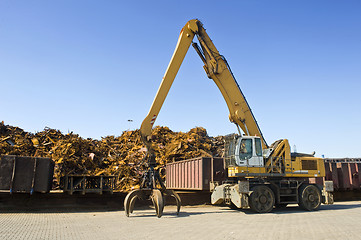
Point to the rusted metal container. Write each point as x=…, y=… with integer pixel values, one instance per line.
x=26, y=174
x=195, y=174
x=19, y=173
x=344, y=172
x=198, y=173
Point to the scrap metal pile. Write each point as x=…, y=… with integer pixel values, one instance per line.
x=121, y=156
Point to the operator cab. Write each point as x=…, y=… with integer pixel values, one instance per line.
x=248, y=152
x=244, y=151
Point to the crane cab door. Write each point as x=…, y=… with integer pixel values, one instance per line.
x=249, y=152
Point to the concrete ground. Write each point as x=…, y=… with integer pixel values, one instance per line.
x=339, y=221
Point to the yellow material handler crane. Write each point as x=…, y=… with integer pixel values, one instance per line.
x=259, y=176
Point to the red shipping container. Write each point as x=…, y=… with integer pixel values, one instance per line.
x=194, y=174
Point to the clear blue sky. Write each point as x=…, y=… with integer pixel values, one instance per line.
x=89, y=66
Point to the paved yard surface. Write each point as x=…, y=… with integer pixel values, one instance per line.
x=339, y=221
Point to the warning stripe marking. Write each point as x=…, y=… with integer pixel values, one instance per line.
x=153, y=119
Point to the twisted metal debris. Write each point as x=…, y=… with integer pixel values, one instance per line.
x=121, y=156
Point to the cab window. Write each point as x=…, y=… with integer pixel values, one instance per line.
x=258, y=147
x=245, y=150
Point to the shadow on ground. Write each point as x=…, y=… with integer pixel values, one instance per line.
x=63, y=203
x=297, y=209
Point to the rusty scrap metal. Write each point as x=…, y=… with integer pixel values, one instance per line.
x=120, y=156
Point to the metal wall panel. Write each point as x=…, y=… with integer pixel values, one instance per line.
x=335, y=179
x=6, y=171
x=353, y=175
x=24, y=174
x=344, y=175
x=358, y=170
x=43, y=175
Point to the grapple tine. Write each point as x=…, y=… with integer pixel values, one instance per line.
x=132, y=203
x=158, y=202
x=129, y=201
x=177, y=199
x=156, y=206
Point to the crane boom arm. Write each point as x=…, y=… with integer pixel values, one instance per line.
x=217, y=69
x=185, y=39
